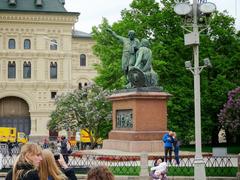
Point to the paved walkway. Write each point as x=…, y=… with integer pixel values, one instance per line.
x=123, y=153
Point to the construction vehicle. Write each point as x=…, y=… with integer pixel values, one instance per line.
x=10, y=134
x=85, y=140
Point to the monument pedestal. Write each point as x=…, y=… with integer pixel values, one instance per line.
x=134, y=146
x=139, y=121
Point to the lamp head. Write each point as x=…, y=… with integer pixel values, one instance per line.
x=182, y=9
x=207, y=62
x=188, y=64
x=207, y=8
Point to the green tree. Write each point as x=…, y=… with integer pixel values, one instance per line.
x=86, y=108
x=162, y=27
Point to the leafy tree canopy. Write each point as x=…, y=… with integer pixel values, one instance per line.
x=158, y=22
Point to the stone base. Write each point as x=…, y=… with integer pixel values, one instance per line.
x=37, y=138
x=136, y=135
x=133, y=146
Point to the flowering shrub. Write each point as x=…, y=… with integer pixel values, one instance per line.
x=118, y=158
x=77, y=154
x=229, y=116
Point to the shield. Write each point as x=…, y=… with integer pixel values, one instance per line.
x=136, y=77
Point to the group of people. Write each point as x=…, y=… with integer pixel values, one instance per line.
x=171, y=143
x=63, y=146
x=35, y=163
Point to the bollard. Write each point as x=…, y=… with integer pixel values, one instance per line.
x=238, y=173
x=144, y=174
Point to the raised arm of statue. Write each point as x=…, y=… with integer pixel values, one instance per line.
x=115, y=34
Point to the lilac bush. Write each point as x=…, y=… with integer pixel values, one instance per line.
x=229, y=116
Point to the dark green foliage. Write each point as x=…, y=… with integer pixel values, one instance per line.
x=162, y=27
x=231, y=149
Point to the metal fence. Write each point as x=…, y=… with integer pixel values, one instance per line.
x=131, y=165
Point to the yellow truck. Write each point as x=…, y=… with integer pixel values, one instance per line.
x=10, y=134
x=84, y=138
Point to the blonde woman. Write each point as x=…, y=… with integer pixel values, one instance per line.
x=26, y=164
x=54, y=169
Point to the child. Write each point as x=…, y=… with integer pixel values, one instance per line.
x=159, y=171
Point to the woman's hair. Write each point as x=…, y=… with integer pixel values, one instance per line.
x=27, y=149
x=49, y=167
x=100, y=173
x=174, y=134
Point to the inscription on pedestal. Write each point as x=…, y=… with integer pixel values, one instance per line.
x=124, y=118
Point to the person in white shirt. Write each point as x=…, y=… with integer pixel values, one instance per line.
x=159, y=171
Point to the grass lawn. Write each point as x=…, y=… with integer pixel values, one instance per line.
x=179, y=171
x=210, y=171
x=172, y=171
x=208, y=148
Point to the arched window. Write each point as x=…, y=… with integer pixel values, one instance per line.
x=85, y=84
x=11, y=44
x=53, y=44
x=82, y=60
x=53, y=70
x=27, y=70
x=27, y=44
x=11, y=69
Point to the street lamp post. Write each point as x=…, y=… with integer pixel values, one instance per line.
x=199, y=165
x=184, y=9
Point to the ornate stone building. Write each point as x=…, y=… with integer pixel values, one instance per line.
x=41, y=56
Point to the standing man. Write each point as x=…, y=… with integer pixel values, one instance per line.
x=10, y=147
x=78, y=139
x=130, y=47
x=168, y=144
x=45, y=143
x=64, y=150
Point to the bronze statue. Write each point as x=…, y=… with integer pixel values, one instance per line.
x=136, y=61
x=130, y=47
x=142, y=74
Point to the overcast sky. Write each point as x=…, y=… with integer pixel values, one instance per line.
x=92, y=11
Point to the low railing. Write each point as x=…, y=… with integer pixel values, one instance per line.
x=131, y=165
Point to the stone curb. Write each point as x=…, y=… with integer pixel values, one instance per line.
x=81, y=176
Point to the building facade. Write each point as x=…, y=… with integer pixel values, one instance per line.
x=41, y=56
